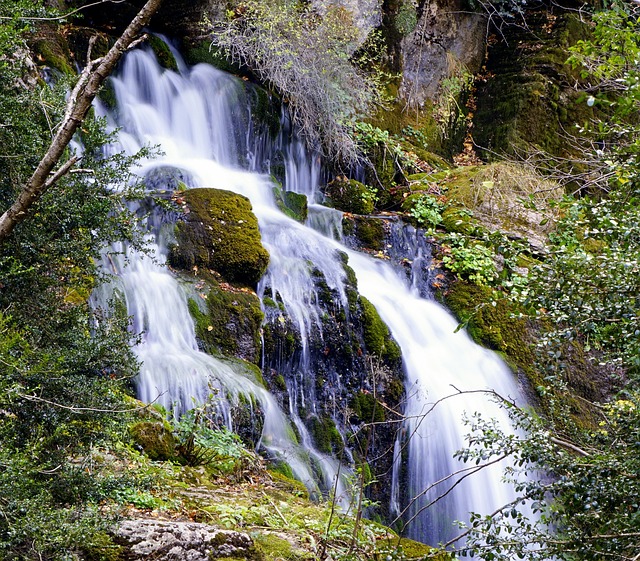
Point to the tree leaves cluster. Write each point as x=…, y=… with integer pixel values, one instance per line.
x=579, y=478
x=64, y=368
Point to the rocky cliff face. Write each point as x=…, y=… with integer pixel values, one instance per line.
x=446, y=38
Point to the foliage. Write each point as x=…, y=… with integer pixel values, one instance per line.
x=200, y=442
x=587, y=506
x=66, y=369
x=469, y=259
x=427, y=210
x=307, y=57
x=587, y=287
x=580, y=480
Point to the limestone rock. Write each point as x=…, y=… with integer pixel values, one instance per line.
x=447, y=35
x=163, y=540
x=367, y=14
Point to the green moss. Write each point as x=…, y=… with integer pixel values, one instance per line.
x=350, y=195
x=163, y=53
x=155, y=439
x=273, y=547
x=101, y=547
x=269, y=302
x=527, y=100
x=279, y=382
x=231, y=323
x=107, y=95
x=220, y=233
x=325, y=435
x=283, y=468
x=370, y=232
x=352, y=280
x=294, y=205
x=458, y=220
x=52, y=50
x=416, y=550
x=367, y=408
x=290, y=484
x=495, y=327
x=207, y=53
x=377, y=337
x=265, y=108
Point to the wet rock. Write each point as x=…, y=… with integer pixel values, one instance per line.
x=220, y=233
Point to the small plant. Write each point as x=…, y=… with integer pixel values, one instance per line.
x=428, y=210
x=469, y=260
x=202, y=443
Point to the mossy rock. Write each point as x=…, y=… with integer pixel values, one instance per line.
x=377, y=337
x=220, y=233
x=205, y=52
x=528, y=100
x=163, y=53
x=398, y=117
x=155, y=439
x=294, y=205
x=438, y=163
x=230, y=324
x=459, y=221
x=52, y=49
x=102, y=547
x=350, y=195
x=367, y=408
x=494, y=326
x=326, y=435
x=266, y=108
x=370, y=232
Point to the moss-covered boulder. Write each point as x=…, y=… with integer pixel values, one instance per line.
x=496, y=327
x=350, y=195
x=51, y=49
x=326, y=435
x=294, y=205
x=367, y=408
x=163, y=53
x=220, y=232
x=370, y=232
x=528, y=96
x=155, y=439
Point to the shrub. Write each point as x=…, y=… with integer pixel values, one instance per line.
x=307, y=57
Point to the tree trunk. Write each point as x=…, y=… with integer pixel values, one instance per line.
x=78, y=105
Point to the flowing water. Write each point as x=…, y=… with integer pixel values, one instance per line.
x=200, y=119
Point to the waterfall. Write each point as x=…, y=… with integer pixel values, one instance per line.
x=200, y=119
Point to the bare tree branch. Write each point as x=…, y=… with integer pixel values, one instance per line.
x=90, y=82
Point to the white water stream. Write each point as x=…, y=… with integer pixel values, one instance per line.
x=196, y=118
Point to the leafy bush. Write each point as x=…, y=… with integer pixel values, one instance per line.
x=469, y=259
x=427, y=210
x=200, y=442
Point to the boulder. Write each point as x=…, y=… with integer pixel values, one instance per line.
x=220, y=232
x=164, y=540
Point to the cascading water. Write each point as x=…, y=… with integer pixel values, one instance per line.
x=201, y=123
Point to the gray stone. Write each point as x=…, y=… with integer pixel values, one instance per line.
x=367, y=14
x=447, y=35
x=164, y=540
